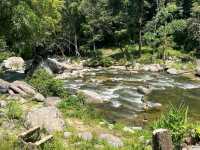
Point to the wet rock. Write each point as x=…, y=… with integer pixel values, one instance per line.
x=66, y=135
x=4, y=86
x=152, y=106
x=55, y=66
x=52, y=101
x=38, y=97
x=14, y=64
x=144, y=90
x=45, y=117
x=153, y=67
x=68, y=75
x=87, y=136
x=172, y=71
x=92, y=97
x=112, y=140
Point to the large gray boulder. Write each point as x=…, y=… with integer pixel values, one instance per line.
x=14, y=64
x=45, y=117
x=4, y=86
x=55, y=66
x=112, y=140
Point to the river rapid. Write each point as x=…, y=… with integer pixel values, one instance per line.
x=119, y=87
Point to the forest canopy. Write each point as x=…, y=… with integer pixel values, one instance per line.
x=79, y=27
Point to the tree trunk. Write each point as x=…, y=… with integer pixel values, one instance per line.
x=76, y=44
x=140, y=26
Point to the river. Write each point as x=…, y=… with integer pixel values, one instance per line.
x=120, y=88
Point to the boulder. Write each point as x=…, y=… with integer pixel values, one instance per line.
x=52, y=101
x=14, y=64
x=172, y=71
x=4, y=86
x=112, y=140
x=21, y=86
x=45, y=117
x=144, y=90
x=55, y=66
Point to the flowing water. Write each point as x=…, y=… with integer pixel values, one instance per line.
x=120, y=88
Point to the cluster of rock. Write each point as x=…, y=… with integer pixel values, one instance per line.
x=20, y=88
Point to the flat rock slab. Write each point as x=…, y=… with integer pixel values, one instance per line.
x=112, y=140
x=51, y=101
x=45, y=117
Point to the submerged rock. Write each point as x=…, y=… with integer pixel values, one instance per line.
x=144, y=90
x=45, y=117
x=172, y=71
x=112, y=140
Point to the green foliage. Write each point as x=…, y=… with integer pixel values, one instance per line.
x=4, y=55
x=46, y=84
x=75, y=106
x=100, y=61
x=175, y=120
x=14, y=110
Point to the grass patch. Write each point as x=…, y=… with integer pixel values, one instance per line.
x=14, y=110
x=176, y=121
x=75, y=106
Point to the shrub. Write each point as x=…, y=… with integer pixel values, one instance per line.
x=14, y=110
x=4, y=55
x=100, y=61
x=175, y=120
x=146, y=58
x=46, y=84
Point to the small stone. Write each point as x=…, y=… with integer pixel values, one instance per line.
x=3, y=104
x=87, y=136
x=67, y=135
x=38, y=97
x=112, y=140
